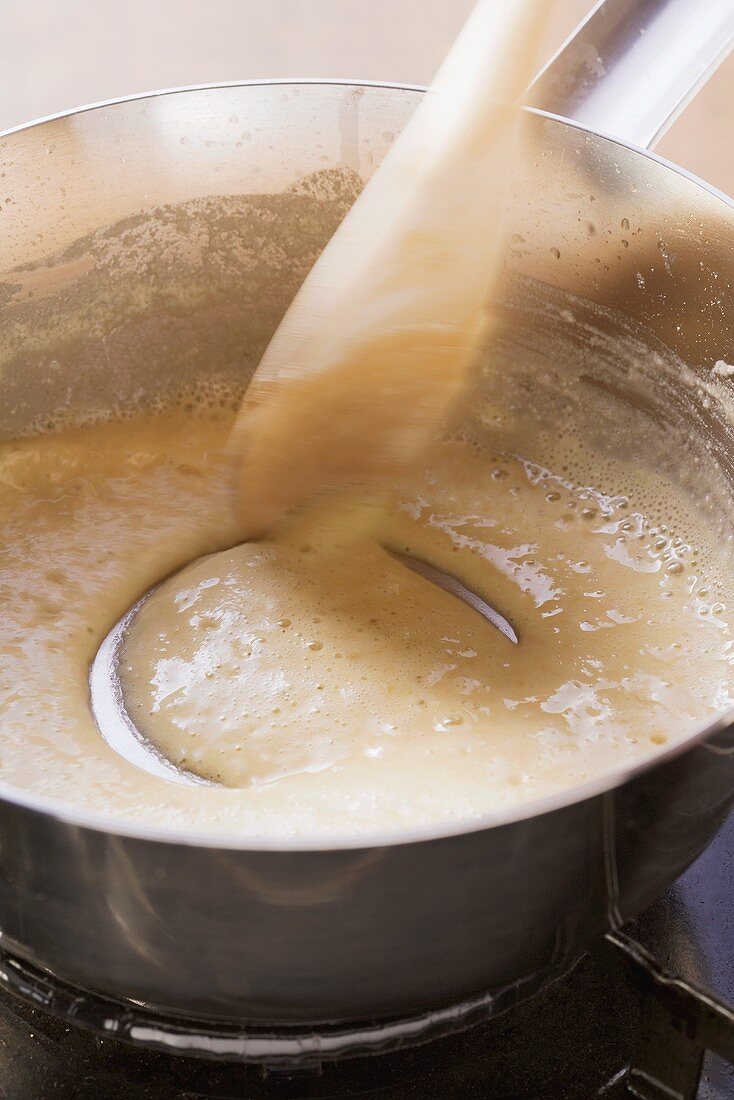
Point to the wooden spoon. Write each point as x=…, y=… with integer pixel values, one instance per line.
x=377, y=344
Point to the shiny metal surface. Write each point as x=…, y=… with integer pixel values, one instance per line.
x=455, y=588
x=131, y=265
x=630, y=69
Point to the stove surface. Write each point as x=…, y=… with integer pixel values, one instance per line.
x=573, y=1041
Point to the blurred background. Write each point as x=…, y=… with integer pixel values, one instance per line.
x=57, y=54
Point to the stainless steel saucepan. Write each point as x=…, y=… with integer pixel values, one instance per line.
x=132, y=263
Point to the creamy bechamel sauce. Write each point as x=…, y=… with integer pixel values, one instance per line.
x=328, y=689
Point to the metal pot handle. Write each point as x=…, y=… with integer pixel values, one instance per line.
x=632, y=66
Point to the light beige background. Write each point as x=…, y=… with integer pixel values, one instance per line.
x=56, y=54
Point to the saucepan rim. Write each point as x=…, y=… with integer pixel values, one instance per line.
x=617, y=777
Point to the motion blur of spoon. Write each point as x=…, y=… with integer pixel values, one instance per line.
x=377, y=344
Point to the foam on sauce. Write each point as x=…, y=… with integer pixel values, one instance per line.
x=330, y=692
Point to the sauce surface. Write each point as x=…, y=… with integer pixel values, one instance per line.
x=327, y=689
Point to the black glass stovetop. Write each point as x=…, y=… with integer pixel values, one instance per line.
x=574, y=1041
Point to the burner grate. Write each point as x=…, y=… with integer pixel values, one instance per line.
x=680, y=1023
x=677, y=1024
